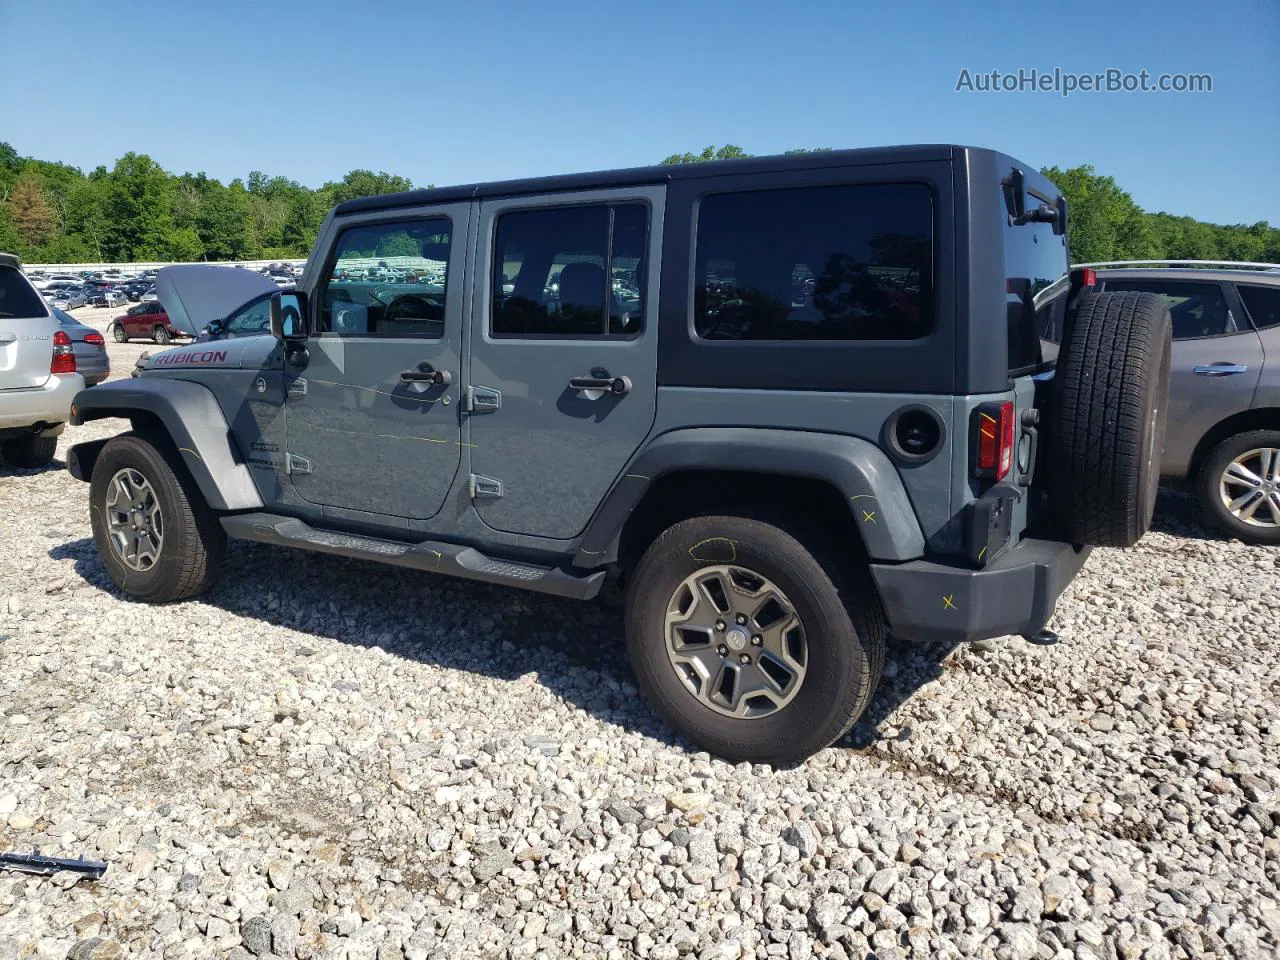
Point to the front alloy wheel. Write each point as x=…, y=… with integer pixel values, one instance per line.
x=134, y=521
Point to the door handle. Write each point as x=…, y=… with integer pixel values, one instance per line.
x=425, y=373
x=618, y=386
x=1219, y=369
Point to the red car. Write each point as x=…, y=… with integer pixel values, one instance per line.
x=145, y=320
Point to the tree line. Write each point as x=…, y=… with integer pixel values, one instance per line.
x=137, y=211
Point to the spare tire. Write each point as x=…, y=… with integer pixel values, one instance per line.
x=1110, y=400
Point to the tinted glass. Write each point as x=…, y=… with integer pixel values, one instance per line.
x=1263, y=304
x=17, y=297
x=817, y=263
x=1035, y=291
x=388, y=280
x=570, y=271
x=255, y=318
x=1198, y=309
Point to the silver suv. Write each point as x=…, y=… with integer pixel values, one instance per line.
x=38, y=377
x=1224, y=402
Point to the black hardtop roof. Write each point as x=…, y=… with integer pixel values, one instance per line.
x=657, y=174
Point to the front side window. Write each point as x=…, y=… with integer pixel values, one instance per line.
x=252, y=319
x=1263, y=304
x=570, y=271
x=388, y=280
x=1197, y=309
x=816, y=263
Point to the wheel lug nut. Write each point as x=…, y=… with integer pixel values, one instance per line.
x=722, y=650
x=744, y=659
x=757, y=640
x=719, y=624
x=742, y=618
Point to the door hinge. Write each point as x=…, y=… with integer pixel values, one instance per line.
x=296, y=464
x=479, y=486
x=481, y=399
x=297, y=388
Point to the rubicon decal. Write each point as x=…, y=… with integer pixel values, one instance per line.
x=188, y=359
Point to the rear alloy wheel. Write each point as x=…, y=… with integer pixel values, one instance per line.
x=160, y=335
x=29, y=452
x=1239, y=486
x=118, y=334
x=158, y=539
x=751, y=643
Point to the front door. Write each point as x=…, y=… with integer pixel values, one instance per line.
x=562, y=386
x=372, y=417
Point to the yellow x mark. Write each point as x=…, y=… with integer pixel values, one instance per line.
x=948, y=602
x=868, y=516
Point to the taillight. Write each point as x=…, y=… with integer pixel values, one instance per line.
x=1089, y=277
x=64, y=358
x=994, y=441
x=96, y=339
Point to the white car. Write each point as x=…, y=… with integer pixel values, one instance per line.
x=38, y=377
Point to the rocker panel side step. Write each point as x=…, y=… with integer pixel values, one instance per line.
x=430, y=555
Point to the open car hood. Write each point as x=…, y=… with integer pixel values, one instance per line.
x=197, y=294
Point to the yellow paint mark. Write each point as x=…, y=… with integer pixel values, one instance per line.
x=989, y=436
x=192, y=452
x=985, y=416
x=868, y=516
x=733, y=548
x=861, y=496
x=982, y=553
x=593, y=553
x=635, y=476
x=380, y=436
x=461, y=444
x=356, y=386
x=948, y=602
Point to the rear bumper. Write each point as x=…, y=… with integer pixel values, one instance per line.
x=48, y=405
x=1016, y=594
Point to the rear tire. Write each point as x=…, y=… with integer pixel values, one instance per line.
x=1110, y=398
x=190, y=544
x=840, y=632
x=29, y=453
x=160, y=335
x=118, y=334
x=1226, y=473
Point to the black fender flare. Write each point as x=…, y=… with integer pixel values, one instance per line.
x=857, y=468
x=194, y=422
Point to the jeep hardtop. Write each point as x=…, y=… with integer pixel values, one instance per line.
x=793, y=403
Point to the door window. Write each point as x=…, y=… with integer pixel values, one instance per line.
x=1263, y=304
x=388, y=280
x=1198, y=309
x=570, y=272
x=851, y=262
x=249, y=320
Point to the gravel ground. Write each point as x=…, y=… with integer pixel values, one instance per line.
x=325, y=758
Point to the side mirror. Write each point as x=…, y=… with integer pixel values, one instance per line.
x=286, y=317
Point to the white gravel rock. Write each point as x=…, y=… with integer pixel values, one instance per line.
x=325, y=758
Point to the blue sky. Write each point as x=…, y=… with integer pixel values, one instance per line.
x=477, y=90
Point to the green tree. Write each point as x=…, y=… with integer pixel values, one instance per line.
x=364, y=183
x=185, y=245
x=1103, y=222
x=728, y=152
x=136, y=202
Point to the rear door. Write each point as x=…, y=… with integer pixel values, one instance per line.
x=1217, y=361
x=563, y=350
x=26, y=332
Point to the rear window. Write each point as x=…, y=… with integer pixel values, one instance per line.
x=816, y=263
x=17, y=297
x=1197, y=309
x=1035, y=287
x=1263, y=304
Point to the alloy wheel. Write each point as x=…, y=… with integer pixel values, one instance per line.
x=1250, y=487
x=134, y=522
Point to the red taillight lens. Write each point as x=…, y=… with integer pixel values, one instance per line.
x=64, y=360
x=995, y=435
x=1090, y=277
x=95, y=338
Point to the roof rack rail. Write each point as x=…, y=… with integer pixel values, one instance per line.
x=1214, y=264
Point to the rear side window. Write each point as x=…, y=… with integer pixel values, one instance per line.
x=850, y=262
x=1197, y=309
x=570, y=272
x=17, y=297
x=1035, y=290
x=1263, y=304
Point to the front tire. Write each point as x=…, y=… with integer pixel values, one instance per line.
x=160, y=335
x=747, y=643
x=29, y=453
x=158, y=539
x=118, y=334
x=1239, y=486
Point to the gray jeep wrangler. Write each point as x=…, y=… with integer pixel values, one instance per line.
x=794, y=403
